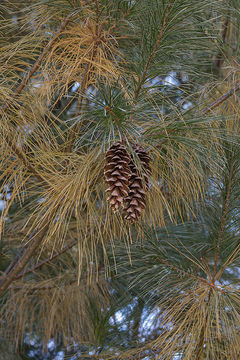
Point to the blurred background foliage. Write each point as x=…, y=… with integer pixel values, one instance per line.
x=78, y=281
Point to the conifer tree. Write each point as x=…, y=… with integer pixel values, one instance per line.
x=119, y=177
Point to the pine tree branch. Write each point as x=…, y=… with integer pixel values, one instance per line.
x=202, y=336
x=55, y=286
x=221, y=99
x=18, y=264
x=97, y=16
x=50, y=258
x=137, y=320
x=32, y=289
x=230, y=259
x=153, y=53
x=35, y=240
x=212, y=106
x=73, y=131
x=18, y=152
x=223, y=220
x=37, y=63
x=114, y=116
x=83, y=87
x=220, y=56
x=175, y=268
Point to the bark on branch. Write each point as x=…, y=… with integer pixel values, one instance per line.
x=18, y=264
x=50, y=258
x=221, y=99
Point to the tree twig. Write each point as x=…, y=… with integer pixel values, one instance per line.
x=202, y=335
x=73, y=131
x=43, y=262
x=221, y=99
x=35, y=288
x=223, y=220
x=144, y=75
x=21, y=155
x=97, y=16
x=18, y=264
x=54, y=286
x=219, y=58
x=173, y=267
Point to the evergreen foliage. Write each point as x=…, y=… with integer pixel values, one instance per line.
x=159, y=76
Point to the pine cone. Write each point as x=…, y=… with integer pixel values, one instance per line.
x=145, y=160
x=117, y=173
x=135, y=202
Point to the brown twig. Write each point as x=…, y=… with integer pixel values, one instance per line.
x=23, y=158
x=216, y=103
x=173, y=267
x=144, y=75
x=219, y=58
x=84, y=83
x=223, y=220
x=18, y=264
x=73, y=130
x=54, y=286
x=221, y=99
x=114, y=116
x=202, y=335
x=35, y=288
x=97, y=17
x=50, y=258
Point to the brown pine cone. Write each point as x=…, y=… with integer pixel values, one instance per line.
x=135, y=202
x=145, y=161
x=117, y=173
